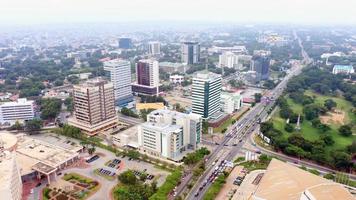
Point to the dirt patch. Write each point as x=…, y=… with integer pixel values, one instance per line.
x=333, y=117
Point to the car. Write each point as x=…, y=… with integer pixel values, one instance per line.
x=258, y=152
x=196, y=194
x=58, y=174
x=130, y=158
x=31, y=191
x=38, y=184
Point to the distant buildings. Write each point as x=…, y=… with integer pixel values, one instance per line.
x=147, y=77
x=260, y=64
x=344, y=69
x=170, y=67
x=176, y=79
x=154, y=48
x=94, y=107
x=233, y=49
x=125, y=43
x=206, y=94
x=230, y=102
x=21, y=110
x=120, y=75
x=169, y=133
x=10, y=178
x=297, y=184
x=190, y=52
x=228, y=59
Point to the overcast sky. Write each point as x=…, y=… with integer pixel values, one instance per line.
x=246, y=11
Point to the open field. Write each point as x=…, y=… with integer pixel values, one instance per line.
x=311, y=133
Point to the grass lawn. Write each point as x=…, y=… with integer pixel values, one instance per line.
x=311, y=133
x=253, y=165
x=228, y=122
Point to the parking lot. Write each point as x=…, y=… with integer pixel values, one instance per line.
x=248, y=186
x=231, y=185
x=105, y=160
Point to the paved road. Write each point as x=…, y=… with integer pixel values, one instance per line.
x=129, y=120
x=242, y=129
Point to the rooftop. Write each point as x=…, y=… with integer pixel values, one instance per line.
x=141, y=106
x=343, y=67
x=284, y=181
x=206, y=75
x=9, y=140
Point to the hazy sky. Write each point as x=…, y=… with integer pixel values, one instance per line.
x=247, y=11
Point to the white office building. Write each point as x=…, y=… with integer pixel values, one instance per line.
x=161, y=140
x=120, y=75
x=229, y=59
x=176, y=79
x=21, y=110
x=190, y=123
x=10, y=178
x=343, y=69
x=206, y=94
x=230, y=102
x=154, y=48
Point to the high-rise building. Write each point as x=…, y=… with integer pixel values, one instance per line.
x=228, y=59
x=21, y=110
x=125, y=43
x=190, y=52
x=169, y=134
x=120, y=75
x=231, y=102
x=206, y=94
x=260, y=64
x=191, y=124
x=10, y=178
x=147, y=77
x=94, y=107
x=154, y=48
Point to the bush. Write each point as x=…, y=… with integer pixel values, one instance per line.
x=171, y=181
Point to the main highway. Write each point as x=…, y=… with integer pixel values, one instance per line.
x=238, y=133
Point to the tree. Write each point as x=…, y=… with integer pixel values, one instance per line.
x=352, y=148
x=341, y=160
x=145, y=112
x=50, y=108
x=330, y=104
x=92, y=149
x=128, y=177
x=328, y=140
x=128, y=112
x=258, y=97
x=17, y=126
x=289, y=128
x=345, y=130
x=69, y=104
x=33, y=125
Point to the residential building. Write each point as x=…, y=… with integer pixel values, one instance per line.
x=230, y=102
x=10, y=178
x=94, y=107
x=120, y=75
x=233, y=49
x=206, y=94
x=344, y=69
x=170, y=67
x=154, y=48
x=190, y=52
x=147, y=77
x=260, y=64
x=176, y=79
x=228, y=59
x=21, y=110
x=191, y=124
x=125, y=43
x=282, y=180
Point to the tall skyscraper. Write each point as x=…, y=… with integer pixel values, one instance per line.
x=190, y=52
x=260, y=64
x=147, y=77
x=120, y=75
x=206, y=94
x=154, y=48
x=94, y=107
x=125, y=43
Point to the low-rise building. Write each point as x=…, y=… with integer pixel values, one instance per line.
x=170, y=67
x=343, y=69
x=21, y=110
x=176, y=79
